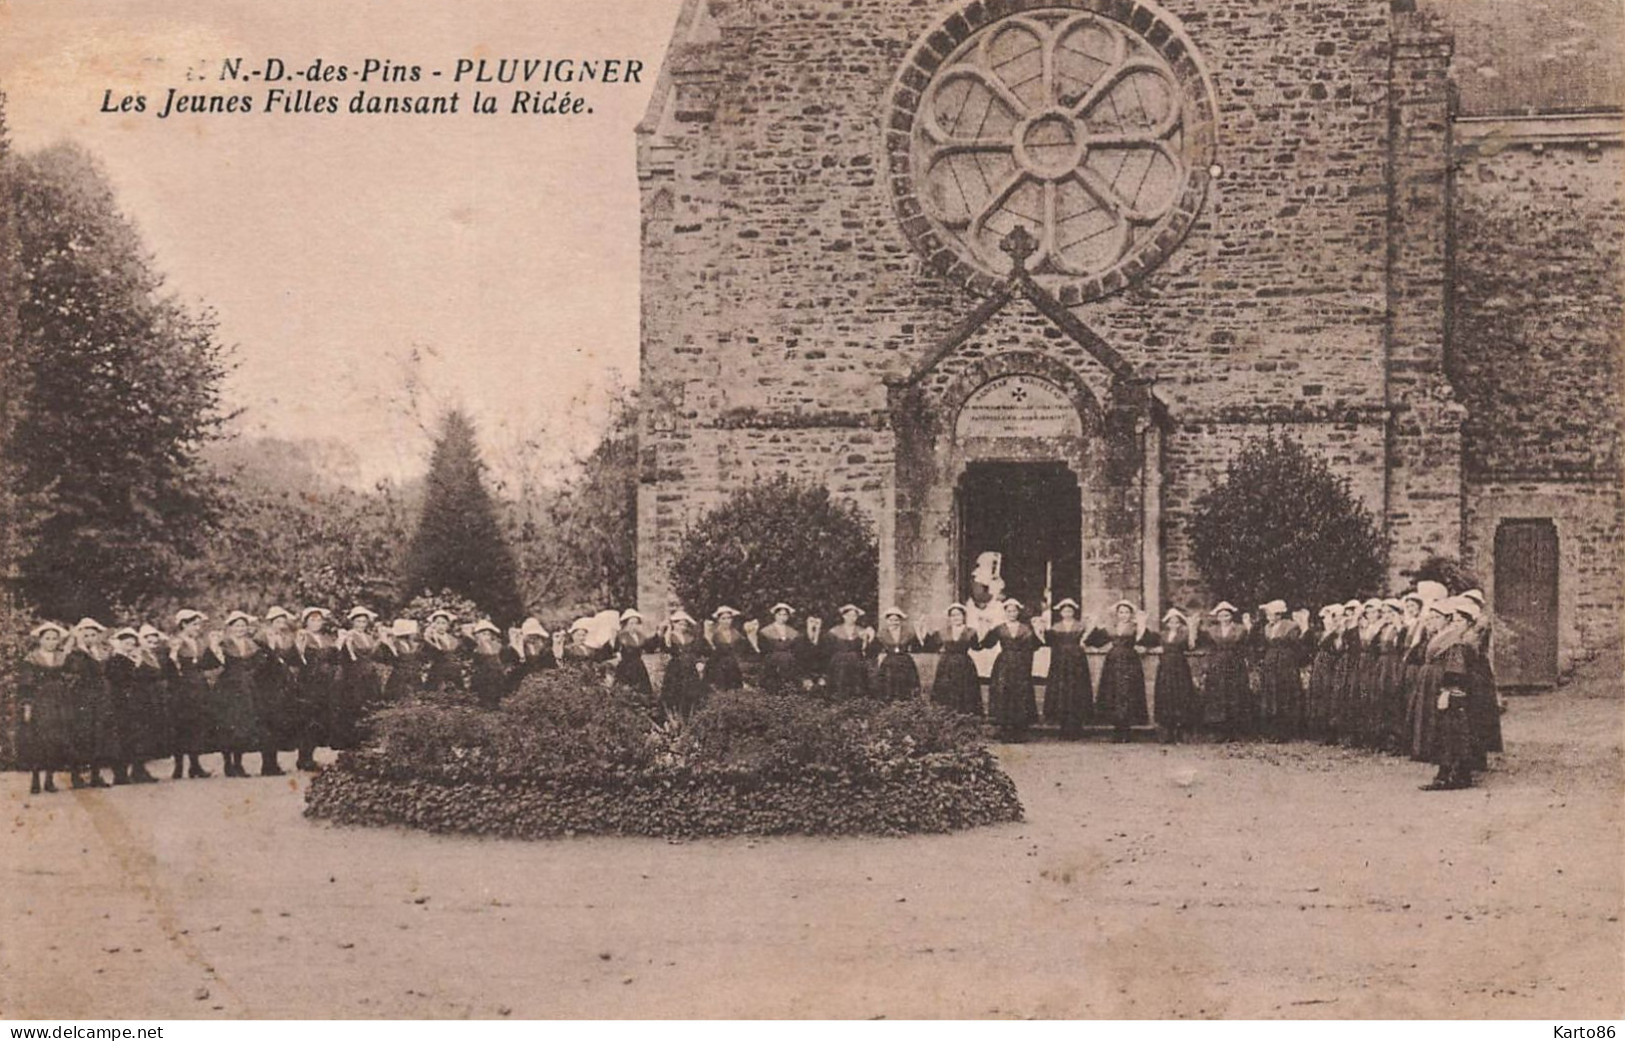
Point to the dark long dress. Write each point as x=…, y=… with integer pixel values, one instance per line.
x=318, y=676
x=846, y=666
x=631, y=644
x=541, y=656
x=139, y=687
x=722, y=670
x=1225, y=692
x=237, y=694
x=358, y=690
x=1416, y=644
x=1348, y=721
x=195, y=708
x=956, y=684
x=45, y=691
x=1484, y=708
x=783, y=652
x=1176, y=707
x=489, y=676
x=1391, y=681
x=682, y=690
x=1321, y=700
x=812, y=659
x=1069, y=695
x=1456, y=748
x=95, y=726
x=445, y=660
x=406, y=669
x=1012, y=701
x=1120, y=699
x=1280, y=683
x=898, y=678
x=274, y=690
x=1369, y=684
x=1425, y=736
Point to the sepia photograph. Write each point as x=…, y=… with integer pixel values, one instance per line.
x=975, y=510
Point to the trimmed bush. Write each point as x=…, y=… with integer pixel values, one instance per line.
x=778, y=540
x=564, y=756
x=1282, y=524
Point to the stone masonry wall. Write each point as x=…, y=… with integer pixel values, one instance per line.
x=1538, y=290
x=777, y=282
x=1591, y=595
x=1422, y=514
x=1539, y=287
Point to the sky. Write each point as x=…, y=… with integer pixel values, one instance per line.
x=503, y=249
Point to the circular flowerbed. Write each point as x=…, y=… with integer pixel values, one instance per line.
x=564, y=756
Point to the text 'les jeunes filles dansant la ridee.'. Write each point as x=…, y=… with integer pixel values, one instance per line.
x=380, y=86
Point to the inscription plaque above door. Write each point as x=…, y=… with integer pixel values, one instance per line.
x=1018, y=406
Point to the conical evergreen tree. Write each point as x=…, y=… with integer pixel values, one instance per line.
x=458, y=545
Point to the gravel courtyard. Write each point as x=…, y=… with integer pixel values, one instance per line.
x=1197, y=881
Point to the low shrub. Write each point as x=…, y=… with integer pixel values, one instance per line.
x=566, y=756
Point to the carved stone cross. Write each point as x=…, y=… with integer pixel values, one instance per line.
x=1020, y=244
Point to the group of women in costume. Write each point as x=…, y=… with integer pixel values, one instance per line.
x=1409, y=675
x=90, y=701
x=1396, y=675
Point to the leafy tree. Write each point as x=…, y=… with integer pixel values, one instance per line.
x=578, y=539
x=459, y=546
x=11, y=385
x=1281, y=524
x=117, y=391
x=292, y=534
x=15, y=621
x=779, y=540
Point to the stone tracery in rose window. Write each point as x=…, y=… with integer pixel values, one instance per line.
x=1064, y=122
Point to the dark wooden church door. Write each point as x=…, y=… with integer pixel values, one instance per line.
x=1526, y=603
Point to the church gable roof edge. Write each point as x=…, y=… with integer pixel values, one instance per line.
x=1074, y=327
x=1022, y=284
x=958, y=335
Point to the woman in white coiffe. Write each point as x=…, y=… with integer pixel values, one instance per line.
x=897, y=678
x=1012, y=702
x=1120, y=699
x=1069, y=698
x=956, y=684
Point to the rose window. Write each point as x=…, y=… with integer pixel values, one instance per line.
x=1063, y=121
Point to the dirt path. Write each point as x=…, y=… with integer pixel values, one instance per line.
x=1241, y=881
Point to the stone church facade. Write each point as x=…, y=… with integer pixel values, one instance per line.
x=1074, y=254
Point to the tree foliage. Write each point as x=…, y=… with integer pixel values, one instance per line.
x=1281, y=524
x=15, y=619
x=577, y=540
x=779, y=540
x=463, y=610
x=11, y=379
x=117, y=391
x=459, y=545
x=292, y=534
